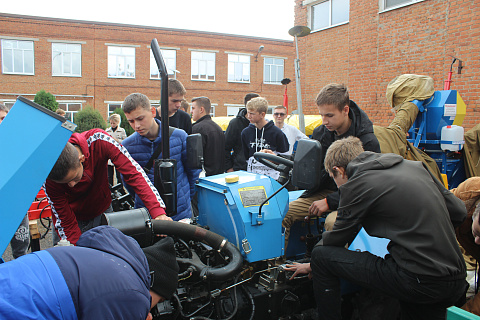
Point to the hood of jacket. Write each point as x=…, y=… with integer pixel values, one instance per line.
x=80, y=140
x=113, y=241
x=372, y=161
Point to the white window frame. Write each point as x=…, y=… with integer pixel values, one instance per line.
x=277, y=66
x=65, y=106
x=234, y=64
x=232, y=109
x=66, y=57
x=311, y=3
x=121, y=58
x=212, y=109
x=203, y=64
x=110, y=104
x=20, y=53
x=382, y=5
x=170, y=63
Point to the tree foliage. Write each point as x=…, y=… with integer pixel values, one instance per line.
x=125, y=125
x=89, y=118
x=46, y=99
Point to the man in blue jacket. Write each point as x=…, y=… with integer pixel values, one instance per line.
x=106, y=276
x=147, y=137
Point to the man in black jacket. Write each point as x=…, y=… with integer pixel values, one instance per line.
x=235, y=160
x=176, y=117
x=341, y=118
x=399, y=200
x=213, y=139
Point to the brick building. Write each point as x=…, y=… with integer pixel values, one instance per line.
x=98, y=64
x=365, y=44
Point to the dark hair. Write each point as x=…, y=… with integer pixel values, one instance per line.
x=249, y=96
x=67, y=161
x=203, y=102
x=175, y=87
x=334, y=94
x=134, y=101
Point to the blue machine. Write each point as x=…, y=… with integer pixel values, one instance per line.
x=231, y=209
x=445, y=108
x=27, y=158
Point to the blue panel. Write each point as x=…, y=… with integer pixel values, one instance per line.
x=27, y=158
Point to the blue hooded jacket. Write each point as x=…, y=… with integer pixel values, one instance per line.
x=142, y=149
x=106, y=276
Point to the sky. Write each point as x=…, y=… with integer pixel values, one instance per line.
x=259, y=18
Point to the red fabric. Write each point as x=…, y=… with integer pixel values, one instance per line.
x=91, y=196
x=285, y=99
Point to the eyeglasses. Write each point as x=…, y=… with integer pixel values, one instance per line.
x=279, y=114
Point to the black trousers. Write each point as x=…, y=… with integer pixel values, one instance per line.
x=419, y=297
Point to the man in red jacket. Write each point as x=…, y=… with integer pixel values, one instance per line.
x=77, y=187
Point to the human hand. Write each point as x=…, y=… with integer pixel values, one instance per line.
x=163, y=217
x=230, y=170
x=318, y=207
x=267, y=151
x=299, y=268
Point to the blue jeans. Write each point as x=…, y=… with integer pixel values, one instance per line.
x=420, y=297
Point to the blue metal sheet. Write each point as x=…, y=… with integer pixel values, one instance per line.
x=32, y=138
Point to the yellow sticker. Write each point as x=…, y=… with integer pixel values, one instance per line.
x=252, y=196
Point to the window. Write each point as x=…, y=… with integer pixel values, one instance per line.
x=112, y=107
x=232, y=109
x=273, y=70
x=66, y=59
x=329, y=13
x=17, y=57
x=170, y=59
x=212, y=110
x=392, y=4
x=238, y=68
x=8, y=104
x=203, y=65
x=71, y=108
x=121, y=62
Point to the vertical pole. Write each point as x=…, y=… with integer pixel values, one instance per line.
x=301, y=118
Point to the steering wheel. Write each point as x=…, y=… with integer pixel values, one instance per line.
x=284, y=165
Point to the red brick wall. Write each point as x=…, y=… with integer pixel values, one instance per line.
x=373, y=48
x=95, y=87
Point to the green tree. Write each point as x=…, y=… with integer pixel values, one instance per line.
x=125, y=125
x=89, y=118
x=46, y=99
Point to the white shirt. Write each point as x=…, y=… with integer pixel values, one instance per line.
x=293, y=135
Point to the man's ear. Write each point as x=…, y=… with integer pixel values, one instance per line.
x=81, y=158
x=341, y=171
x=346, y=109
x=154, y=111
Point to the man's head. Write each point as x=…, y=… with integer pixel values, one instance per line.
x=3, y=112
x=256, y=111
x=60, y=112
x=163, y=267
x=200, y=107
x=279, y=115
x=333, y=103
x=185, y=106
x=248, y=97
x=140, y=115
x=476, y=224
x=176, y=94
x=339, y=155
x=115, y=120
x=68, y=169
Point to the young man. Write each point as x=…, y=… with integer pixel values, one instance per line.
x=261, y=135
x=147, y=138
x=341, y=118
x=234, y=156
x=399, y=200
x=106, y=276
x=77, y=188
x=292, y=133
x=213, y=139
x=176, y=117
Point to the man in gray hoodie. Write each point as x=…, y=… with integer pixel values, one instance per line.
x=399, y=200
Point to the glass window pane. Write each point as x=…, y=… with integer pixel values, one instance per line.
x=321, y=15
x=7, y=44
x=340, y=11
x=394, y=3
x=18, y=61
x=7, y=61
x=77, y=64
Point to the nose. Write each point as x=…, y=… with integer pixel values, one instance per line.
x=477, y=240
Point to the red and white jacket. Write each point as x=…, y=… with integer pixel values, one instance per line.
x=91, y=196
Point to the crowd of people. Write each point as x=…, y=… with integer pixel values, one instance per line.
x=387, y=195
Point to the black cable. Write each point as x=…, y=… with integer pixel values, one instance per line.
x=49, y=222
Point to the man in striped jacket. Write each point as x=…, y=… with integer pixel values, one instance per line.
x=77, y=187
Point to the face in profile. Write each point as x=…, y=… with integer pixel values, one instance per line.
x=334, y=119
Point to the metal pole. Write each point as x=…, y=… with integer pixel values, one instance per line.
x=301, y=117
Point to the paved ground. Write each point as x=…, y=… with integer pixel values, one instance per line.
x=44, y=243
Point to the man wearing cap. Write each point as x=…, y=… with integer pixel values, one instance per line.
x=105, y=276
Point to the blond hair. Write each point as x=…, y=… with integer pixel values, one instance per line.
x=259, y=104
